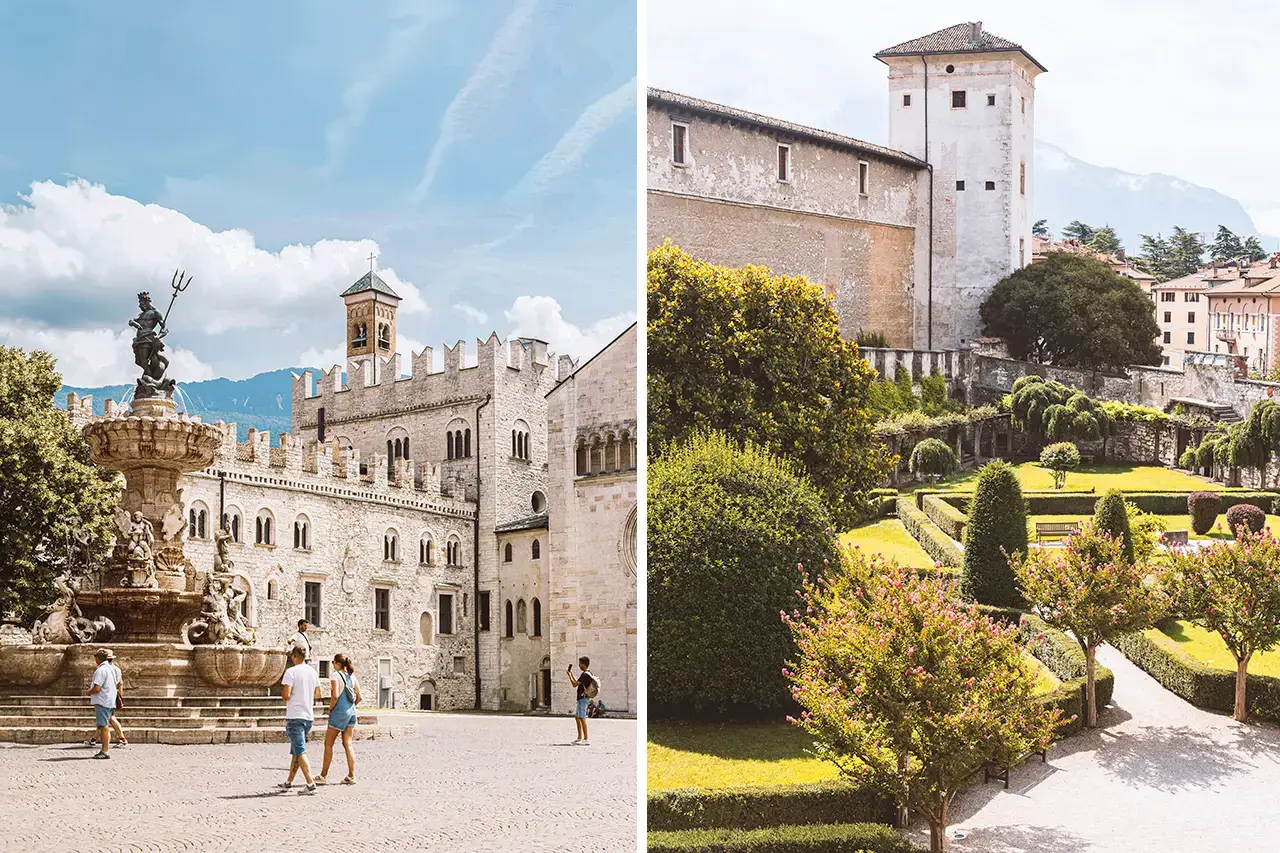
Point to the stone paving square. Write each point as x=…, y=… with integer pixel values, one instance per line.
x=468, y=782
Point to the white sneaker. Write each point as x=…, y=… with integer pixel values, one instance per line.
x=577, y=741
x=584, y=743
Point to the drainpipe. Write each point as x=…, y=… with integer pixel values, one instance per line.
x=924, y=60
x=222, y=497
x=475, y=560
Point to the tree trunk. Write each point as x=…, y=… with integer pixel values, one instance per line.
x=977, y=444
x=938, y=834
x=1242, y=682
x=1090, y=688
x=904, y=811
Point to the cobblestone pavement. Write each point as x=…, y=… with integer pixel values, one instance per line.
x=1157, y=776
x=467, y=782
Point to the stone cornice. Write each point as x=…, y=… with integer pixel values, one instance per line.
x=385, y=413
x=334, y=490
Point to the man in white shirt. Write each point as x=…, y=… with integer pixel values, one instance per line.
x=301, y=693
x=121, y=740
x=102, y=695
x=300, y=640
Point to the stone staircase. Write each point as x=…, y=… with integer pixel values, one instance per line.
x=1224, y=414
x=33, y=719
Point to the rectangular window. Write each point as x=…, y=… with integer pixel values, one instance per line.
x=864, y=177
x=784, y=163
x=1022, y=251
x=1168, y=316
x=906, y=100
x=382, y=609
x=484, y=611
x=1191, y=337
x=990, y=185
x=311, y=603
x=324, y=668
x=679, y=143
x=1191, y=316
x=991, y=100
x=1168, y=337
x=1166, y=361
x=459, y=665
x=960, y=186
x=1024, y=106
x=446, y=613
x=1022, y=178
x=1168, y=297
x=957, y=99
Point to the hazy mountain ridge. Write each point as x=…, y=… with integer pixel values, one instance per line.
x=1068, y=188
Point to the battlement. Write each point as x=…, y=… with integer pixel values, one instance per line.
x=321, y=467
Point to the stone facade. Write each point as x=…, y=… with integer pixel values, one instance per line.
x=593, y=511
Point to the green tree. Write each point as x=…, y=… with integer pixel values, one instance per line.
x=1072, y=311
x=1225, y=247
x=760, y=357
x=932, y=458
x=906, y=691
x=726, y=526
x=1186, y=252
x=50, y=491
x=1047, y=409
x=997, y=530
x=1107, y=241
x=1040, y=228
x=1077, y=230
x=1111, y=516
x=1233, y=590
x=933, y=396
x=1091, y=591
x=1060, y=458
x=1155, y=257
x=907, y=401
x=1253, y=249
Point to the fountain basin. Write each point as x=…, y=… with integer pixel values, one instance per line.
x=126, y=444
x=239, y=666
x=31, y=666
x=143, y=615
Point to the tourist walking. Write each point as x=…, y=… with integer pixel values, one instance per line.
x=344, y=696
x=301, y=641
x=102, y=695
x=588, y=689
x=301, y=693
x=121, y=740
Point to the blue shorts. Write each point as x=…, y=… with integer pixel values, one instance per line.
x=582, y=709
x=103, y=714
x=298, y=731
x=342, y=722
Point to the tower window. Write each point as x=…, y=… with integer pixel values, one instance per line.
x=991, y=185
x=991, y=100
x=864, y=177
x=960, y=186
x=679, y=144
x=1022, y=178
x=906, y=100
x=784, y=163
x=957, y=98
x=1024, y=106
x=951, y=69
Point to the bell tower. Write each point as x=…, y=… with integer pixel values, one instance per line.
x=371, y=320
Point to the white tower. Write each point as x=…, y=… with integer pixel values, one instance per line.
x=963, y=100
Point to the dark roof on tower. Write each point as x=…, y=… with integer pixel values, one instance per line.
x=370, y=281
x=961, y=38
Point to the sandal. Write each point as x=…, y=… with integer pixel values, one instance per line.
x=350, y=780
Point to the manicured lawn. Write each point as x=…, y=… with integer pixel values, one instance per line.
x=1100, y=477
x=1171, y=522
x=1209, y=648
x=891, y=540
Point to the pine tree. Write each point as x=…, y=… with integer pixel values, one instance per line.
x=1154, y=258
x=1106, y=241
x=1077, y=230
x=1186, y=251
x=1226, y=246
x=1041, y=228
x=1253, y=250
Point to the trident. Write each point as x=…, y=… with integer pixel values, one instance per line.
x=178, y=284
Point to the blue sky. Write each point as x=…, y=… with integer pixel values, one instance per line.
x=488, y=149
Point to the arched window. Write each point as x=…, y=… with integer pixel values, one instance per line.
x=596, y=453
x=426, y=551
x=231, y=520
x=580, y=466
x=506, y=553
x=624, y=460
x=453, y=552
x=448, y=445
x=610, y=453
x=521, y=616
x=263, y=532
x=426, y=634
x=539, y=502
x=406, y=448
x=391, y=546
x=198, y=521
x=467, y=443
x=514, y=451
x=536, y=550
x=510, y=625
x=457, y=445
x=191, y=524
x=273, y=590
x=358, y=336
x=302, y=533
x=537, y=618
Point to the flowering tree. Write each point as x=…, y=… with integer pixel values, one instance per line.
x=908, y=690
x=1233, y=589
x=1092, y=591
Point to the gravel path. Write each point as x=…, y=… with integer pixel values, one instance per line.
x=1157, y=776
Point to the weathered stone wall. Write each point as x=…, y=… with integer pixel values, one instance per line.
x=526, y=652
x=593, y=530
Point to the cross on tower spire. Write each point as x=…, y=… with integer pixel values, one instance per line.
x=372, y=258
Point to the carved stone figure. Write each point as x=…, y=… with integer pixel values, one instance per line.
x=139, y=556
x=221, y=550
x=64, y=623
x=220, y=621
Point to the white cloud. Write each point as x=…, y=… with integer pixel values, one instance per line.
x=472, y=313
x=506, y=52
x=91, y=357
x=569, y=150
x=323, y=358
x=541, y=317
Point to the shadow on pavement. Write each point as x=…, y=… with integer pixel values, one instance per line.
x=1019, y=839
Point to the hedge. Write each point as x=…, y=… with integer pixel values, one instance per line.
x=946, y=516
x=1082, y=503
x=829, y=838
x=938, y=545
x=1209, y=687
x=1065, y=659
x=763, y=807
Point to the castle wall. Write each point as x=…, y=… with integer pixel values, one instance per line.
x=522, y=654
x=593, y=530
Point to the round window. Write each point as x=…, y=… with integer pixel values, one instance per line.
x=951, y=69
x=539, y=502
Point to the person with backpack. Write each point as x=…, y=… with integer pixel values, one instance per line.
x=344, y=696
x=588, y=688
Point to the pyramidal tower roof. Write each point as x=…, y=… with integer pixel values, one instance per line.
x=370, y=281
x=960, y=38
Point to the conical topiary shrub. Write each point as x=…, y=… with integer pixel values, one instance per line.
x=1112, y=516
x=997, y=530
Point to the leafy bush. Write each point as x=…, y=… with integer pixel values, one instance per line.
x=1130, y=413
x=761, y=807
x=997, y=530
x=827, y=838
x=938, y=545
x=1246, y=515
x=727, y=526
x=1112, y=516
x=933, y=395
x=874, y=340
x=933, y=458
x=949, y=519
x=1190, y=458
x=1203, y=507
x=1207, y=449
x=1060, y=458
x=1145, y=529
x=906, y=391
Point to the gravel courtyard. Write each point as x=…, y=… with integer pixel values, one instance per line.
x=1158, y=775
x=467, y=782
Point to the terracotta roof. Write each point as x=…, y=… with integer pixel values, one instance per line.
x=370, y=281
x=800, y=131
x=961, y=38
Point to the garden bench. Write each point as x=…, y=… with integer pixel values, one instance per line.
x=991, y=770
x=1174, y=537
x=1055, y=530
